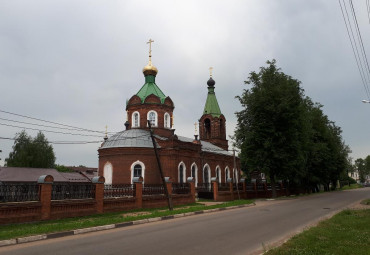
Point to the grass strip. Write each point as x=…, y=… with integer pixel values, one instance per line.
x=353, y=186
x=347, y=232
x=44, y=227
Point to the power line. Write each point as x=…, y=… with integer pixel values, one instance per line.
x=56, y=123
x=354, y=47
x=49, y=131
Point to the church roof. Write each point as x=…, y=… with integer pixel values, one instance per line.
x=150, y=88
x=130, y=138
x=206, y=146
x=211, y=106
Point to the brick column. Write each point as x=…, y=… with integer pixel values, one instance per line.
x=46, y=184
x=169, y=185
x=214, y=182
x=230, y=181
x=191, y=181
x=244, y=191
x=138, y=182
x=99, y=181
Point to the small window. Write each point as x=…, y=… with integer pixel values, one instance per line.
x=181, y=173
x=152, y=117
x=167, y=121
x=136, y=119
x=137, y=170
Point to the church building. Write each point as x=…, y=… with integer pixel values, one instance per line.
x=130, y=153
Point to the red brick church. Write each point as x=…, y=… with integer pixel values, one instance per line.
x=130, y=153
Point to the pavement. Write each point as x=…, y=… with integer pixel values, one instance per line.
x=22, y=240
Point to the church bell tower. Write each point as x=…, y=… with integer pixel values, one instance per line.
x=212, y=124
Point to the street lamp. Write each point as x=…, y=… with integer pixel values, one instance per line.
x=366, y=101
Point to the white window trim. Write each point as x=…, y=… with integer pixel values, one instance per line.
x=196, y=173
x=108, y=165
x=133, y=120
x=156, y=117
x=138, y=162
x=168, y=117
x=227, y=173
x=235, y=175
x=209, y=173
x=218, y=173
x=184, y=172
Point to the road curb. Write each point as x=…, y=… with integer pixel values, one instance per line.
x=28, y=239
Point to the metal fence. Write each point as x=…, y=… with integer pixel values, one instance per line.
x=153, y=189
x=180, y=188
x=223, y=187
x=205, y=187
x=119, y=190
x=72, y=191
x=19, y=192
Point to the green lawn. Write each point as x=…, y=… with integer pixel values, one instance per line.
x=36, y=228
x=346, y=233
x=353, y=186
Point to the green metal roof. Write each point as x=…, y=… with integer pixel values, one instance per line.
x=211, y=106
x=150, y=88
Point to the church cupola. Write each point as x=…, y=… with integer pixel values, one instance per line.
x=212, y=124
x=150, y=103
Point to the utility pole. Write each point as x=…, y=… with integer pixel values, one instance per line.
x=236, y=181
x=169, y=198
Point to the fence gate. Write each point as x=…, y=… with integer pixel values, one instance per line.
x=205, y=190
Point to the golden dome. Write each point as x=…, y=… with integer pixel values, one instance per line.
x=150, y=69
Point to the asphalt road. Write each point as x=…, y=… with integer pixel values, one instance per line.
x=239, y=231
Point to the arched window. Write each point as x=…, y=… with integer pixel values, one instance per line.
x=108, y=173
x=227, y=173
x=152, y=117
x=218, y=174
x=182, y=173
x=167, y=121
x=235, y=175
x=136, y=119
x=207, y=128
x=194, y=173
x=138, y=170
x=206, y=174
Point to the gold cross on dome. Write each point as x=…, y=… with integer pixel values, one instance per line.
x=210, y=71
x=195, y=127
x=150, y=46
x=106, y=130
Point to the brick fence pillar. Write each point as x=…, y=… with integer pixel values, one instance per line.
x=244, y=191
x=46, y=184
x=169, y=185
x=231, y=188
x=214, y=182
x=191, y=182
x=138, y=186
x=99, y=181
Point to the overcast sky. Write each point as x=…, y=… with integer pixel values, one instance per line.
x=77, y=62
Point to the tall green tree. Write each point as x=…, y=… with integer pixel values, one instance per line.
x=270, y=126
x=31, y=152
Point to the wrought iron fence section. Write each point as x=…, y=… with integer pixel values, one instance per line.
x=153, y=189
x=223, y=187
x=260, y=186
x=119, y=190
x=205, y=187
x=72, y=191
x=180, y=188
x=19, y=192
x=249, y=186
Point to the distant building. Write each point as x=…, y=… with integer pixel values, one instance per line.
x=27, y=174
x=130, y=153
